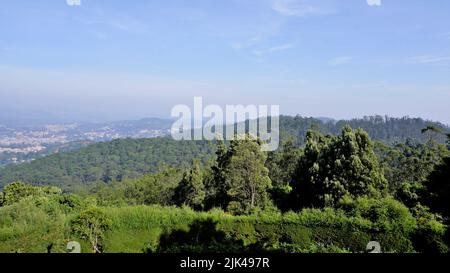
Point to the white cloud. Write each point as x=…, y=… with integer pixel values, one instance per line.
x=299, y=7
x=254, y=33
x=340, y=60
x=429, y=59
x=273, y=49
x=250, y=42
x=118, y=22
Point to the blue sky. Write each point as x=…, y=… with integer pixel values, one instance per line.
x=117, y=59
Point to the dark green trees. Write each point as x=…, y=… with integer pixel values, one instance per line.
x=246, y=176
x=216, y=189
x=191, y=190
x=438, y=189
x=154, y=188
x=282, y=164
x=240, y=178
x=408, y=166
x=334, y=167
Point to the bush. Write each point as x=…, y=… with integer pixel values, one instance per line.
x=430, y=234
x=26, y=227
x=392, y=224
x=91, y=225
x=15, y=192
x=31, y=225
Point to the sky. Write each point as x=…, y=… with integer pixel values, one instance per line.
x=116, y=59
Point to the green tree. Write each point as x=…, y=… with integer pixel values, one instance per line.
x=17, y=191
x=282, y=165
x=154, y=188
x=437, y=194
x=216, y=189
x=191, y=190
x=333, y=167
x=245, y=175
x=407, y=167
x=429, y=235
x=91, y=225
x=432, y=131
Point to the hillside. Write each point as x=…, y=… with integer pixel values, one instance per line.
x=106, y=161
x=131, y=158
x=385, y=129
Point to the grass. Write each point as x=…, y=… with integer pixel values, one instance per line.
x=25, y=227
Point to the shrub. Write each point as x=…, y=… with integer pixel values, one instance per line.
x=430, y=234
x=392, y=222
x=91, y=225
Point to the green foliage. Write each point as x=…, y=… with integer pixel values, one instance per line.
x=202, y=236
x=429, y=236
x=433, y=131
x=91, y=225
x=32, y=227
x=392, y=222
x=191, y=190
x=407, y=167
x=387, y=129
x=127, y=189
x=282, y=163
x=216, y=189
x=106, y=162
x=155, y=188
x=387, y=214
x=73, y=203
x=312, y=248
x=245, y=177
x=27, y=227
x=438, y=189
x=131, y=158
x=334, y=167
x=17, y=191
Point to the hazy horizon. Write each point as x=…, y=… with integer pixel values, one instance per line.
x=123, y=60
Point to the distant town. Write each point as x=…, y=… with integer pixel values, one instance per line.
x=23, y=144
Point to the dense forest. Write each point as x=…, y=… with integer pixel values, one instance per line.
x=131, y=158
x=382, y=128
x=333, y=193
x=106, y=162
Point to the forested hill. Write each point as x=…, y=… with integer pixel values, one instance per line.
x=386, y=129
x=131, y=158
x=107, y=161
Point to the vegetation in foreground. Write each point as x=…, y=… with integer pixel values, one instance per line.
x=334, y=194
